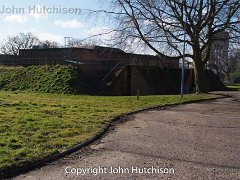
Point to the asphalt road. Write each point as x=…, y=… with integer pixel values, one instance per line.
x=195, y=141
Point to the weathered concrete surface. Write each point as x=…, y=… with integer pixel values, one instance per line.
x=198, y=140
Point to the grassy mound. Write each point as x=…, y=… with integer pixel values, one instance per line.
x=47, y=79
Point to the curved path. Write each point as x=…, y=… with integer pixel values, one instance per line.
x=198, y=140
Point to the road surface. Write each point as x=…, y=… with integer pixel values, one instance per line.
x=193, y=141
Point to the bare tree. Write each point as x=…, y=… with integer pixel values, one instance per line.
x=225, y=66
x=234, y=62
x=49, y=44
x=80, y=43
x=234, y=56
x=161, y=25
x=12, y=45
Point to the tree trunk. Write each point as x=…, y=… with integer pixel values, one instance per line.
x=228, y=77
x=200, y=78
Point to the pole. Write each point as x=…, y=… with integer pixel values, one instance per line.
x=183, y=59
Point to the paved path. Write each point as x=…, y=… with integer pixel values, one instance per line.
x=198, y=140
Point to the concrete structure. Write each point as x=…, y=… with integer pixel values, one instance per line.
x=91, y=55
x=7, y=59
x=110, y=71
x=219, y=52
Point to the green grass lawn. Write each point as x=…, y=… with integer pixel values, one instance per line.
x=234, y=86
x=34, y=125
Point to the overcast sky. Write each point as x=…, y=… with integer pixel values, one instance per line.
x=50, y=19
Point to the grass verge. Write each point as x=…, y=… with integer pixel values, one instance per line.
x=234, y=86
x=35, y=125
